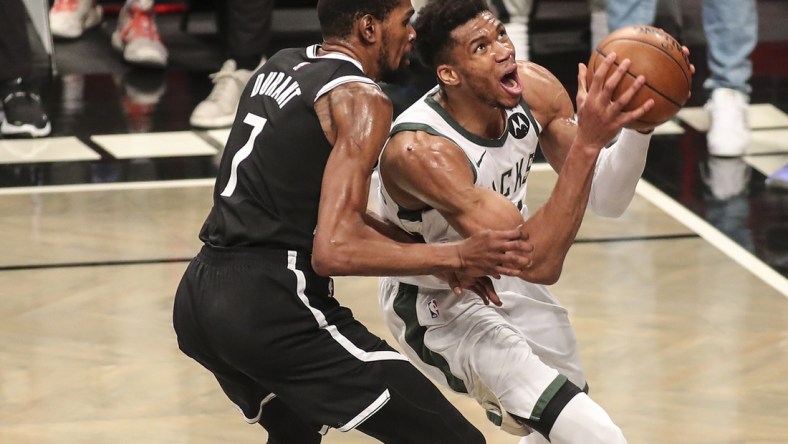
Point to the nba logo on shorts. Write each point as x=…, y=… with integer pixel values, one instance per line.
x=433, y=306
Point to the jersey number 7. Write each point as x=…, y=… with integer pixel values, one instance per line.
x=257, y=124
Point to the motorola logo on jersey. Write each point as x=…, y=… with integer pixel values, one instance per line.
x=519, y=125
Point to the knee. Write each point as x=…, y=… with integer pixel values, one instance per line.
x=583, y=421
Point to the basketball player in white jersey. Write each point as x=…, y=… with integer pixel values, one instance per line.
x=458, y=162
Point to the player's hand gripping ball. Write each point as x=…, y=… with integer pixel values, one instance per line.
x=660, y=58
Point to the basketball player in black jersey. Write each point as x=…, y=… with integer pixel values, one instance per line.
x=256, y=306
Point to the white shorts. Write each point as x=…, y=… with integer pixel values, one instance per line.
x=511, y=359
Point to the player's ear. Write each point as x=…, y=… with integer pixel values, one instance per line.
x=448, y=75
x=368, y=28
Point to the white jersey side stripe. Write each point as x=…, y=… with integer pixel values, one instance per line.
x=367, y=412
x=256, y=419
x=360, y=354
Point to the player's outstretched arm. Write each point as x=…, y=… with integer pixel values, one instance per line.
x=572, y=148
x=356, y=119
x=619, y=168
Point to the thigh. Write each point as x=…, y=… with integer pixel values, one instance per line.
x=546, y=327
x=468, y=346
x=296, y=340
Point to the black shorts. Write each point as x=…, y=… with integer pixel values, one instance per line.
x=266, y=325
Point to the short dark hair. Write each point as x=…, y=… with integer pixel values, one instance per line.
x=337, y=16
x=434, y=24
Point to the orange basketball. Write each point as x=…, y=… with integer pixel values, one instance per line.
x=656, y=55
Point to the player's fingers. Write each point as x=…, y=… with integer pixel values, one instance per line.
x=630, y=92
x=479, y=292
x=601, y=72
x=501, y=238
x=523, y=233
x=517, y=261
x=686, y=53
x=518, y=256
x=455, y=284
x=489, y=290
x=615, y=77
x=581, y=75
x=639, y=112
x=505, y=271
x=582, y=87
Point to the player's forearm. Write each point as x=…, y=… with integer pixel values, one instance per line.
x=618, y=170
x=369, y=253
x=553, y=227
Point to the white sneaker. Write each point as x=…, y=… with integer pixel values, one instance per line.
x=729, y=132
x=68, y=19
x=137, y=37
x=218, y=109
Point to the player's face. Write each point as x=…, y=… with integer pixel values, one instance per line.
x=397, y=40
x=484, y=57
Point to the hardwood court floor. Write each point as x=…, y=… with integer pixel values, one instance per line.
x=681, y=343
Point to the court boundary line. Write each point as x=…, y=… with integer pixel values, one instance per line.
x=110, y=186
x=33, y=267
x=648, y=191
x=706, y=231
x=713, y=236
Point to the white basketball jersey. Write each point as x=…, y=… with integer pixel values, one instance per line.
x=500, y=164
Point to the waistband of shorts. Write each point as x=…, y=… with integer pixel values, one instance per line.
x=243, y=254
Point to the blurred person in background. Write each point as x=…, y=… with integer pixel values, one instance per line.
x=245, y=27
x=136, y=35
x=731, y=28
x=23, y=112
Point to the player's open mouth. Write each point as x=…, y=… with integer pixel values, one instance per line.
x=510, y=83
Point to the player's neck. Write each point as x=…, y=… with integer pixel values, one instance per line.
x=478, y=118
x=351, y=50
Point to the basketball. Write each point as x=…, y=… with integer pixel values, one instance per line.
x=656, y=55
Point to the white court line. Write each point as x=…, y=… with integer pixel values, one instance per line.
x=541, y=166
x=645, y=189
x=705, y=230
x=714, y=237
x=114, y=186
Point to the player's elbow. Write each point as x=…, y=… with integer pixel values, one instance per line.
x=321, y=265
x=608, y=211
x=549, y=277
x=545, y=274
x=327, y=259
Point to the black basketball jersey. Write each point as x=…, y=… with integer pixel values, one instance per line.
x=268, y=187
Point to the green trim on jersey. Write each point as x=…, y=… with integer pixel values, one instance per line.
x=546, y=396
x=488, y=143
x=423, y=127
x=405, y=307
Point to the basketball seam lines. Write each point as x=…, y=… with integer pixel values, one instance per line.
x=689, y=84
x=669, y=99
